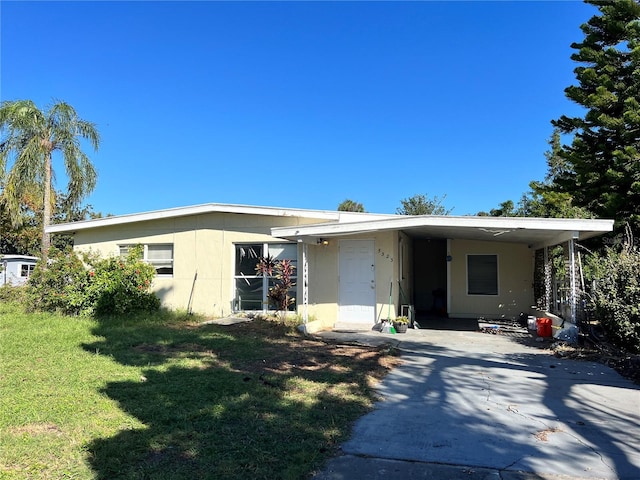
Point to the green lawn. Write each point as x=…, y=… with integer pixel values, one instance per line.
x=161, y=398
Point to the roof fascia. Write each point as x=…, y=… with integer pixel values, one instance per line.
x=596, y=226
x=17, y=257
x=193, y=210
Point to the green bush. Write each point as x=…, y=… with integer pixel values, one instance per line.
x=92, y=285
x=120, y=285
x=59, y=284
x=615, y=296
x=12, y=294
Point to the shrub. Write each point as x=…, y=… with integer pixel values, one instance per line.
x=282, y=272
x=75, y=286
x=59, y=284
x=12, y=294
x=615, y=296
x=120, y=285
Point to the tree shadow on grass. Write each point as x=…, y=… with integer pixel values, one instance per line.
x=228, y=402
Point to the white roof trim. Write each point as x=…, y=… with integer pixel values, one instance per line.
x=536, y=232
x=330, y=215
x=490, y=228
x=17, y=257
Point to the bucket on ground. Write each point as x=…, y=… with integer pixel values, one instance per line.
x=545, y=327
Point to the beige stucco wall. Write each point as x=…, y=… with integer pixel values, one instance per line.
x=324, y=272
x=515, y=278
x=323, y=285
x=205, y=244
x=202, y=244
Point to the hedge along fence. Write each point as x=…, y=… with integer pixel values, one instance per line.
x=91, y=285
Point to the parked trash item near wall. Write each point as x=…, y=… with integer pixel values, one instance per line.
x=568, y=334
x=544, y=327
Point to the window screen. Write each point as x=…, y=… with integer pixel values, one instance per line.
x=482, y=274
x=158, y=255
x=161, y=257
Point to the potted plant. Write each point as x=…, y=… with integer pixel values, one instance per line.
x=401, y=324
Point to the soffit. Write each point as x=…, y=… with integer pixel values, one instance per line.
x=535, y=232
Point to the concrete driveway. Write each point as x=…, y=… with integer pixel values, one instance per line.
x=476, y=405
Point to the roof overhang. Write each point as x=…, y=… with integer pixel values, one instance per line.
x=535, y=232
x=327, y=215
x=17, y=257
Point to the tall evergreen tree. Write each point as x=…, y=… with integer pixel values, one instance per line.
x=30, y=136
x=349, y=205
x=546, y=199
x=602, y=171
x=420, y=204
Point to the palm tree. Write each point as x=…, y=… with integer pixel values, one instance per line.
x=30, y=136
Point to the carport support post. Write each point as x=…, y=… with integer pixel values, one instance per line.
x=572, y=279
x=548, y=281
x=305, y=283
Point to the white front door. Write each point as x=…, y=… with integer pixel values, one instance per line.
x=357, y=289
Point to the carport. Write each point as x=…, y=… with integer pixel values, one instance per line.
x=428, y=243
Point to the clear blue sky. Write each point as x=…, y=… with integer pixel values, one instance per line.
x=301, y=104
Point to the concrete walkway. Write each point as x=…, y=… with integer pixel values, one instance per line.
x=480, y=406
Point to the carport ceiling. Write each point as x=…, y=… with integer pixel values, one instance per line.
x=536, y=232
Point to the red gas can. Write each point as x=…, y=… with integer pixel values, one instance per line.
x=544, y=327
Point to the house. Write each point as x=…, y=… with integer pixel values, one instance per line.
x=16, y=269
x=353, y=269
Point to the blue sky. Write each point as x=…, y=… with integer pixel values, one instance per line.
x=301, y=104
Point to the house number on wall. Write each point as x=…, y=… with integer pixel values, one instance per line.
x=385, y=255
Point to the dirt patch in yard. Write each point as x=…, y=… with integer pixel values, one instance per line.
x=37, y=429
x=293, y=352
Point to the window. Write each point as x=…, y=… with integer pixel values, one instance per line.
x=26, y=270
x=482, y=274
x=251, y=289
x=159, y=255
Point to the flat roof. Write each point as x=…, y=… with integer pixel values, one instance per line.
x=328, y=215
x=536, y=232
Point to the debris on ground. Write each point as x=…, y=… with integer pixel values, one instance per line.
x=568, y=343
x=626, y=364
x=496, y=327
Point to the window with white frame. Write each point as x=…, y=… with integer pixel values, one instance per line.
x=251, y=289
x=160, y=255
x=482, y=274
x=26, y=269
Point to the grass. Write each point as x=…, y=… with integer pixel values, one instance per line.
x=167, y=398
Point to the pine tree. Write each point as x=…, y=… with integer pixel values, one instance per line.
x=603, y=160
x=546, y=198
x=420, y=204
x=349, y=205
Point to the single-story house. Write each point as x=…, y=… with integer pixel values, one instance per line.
x=353, y=269
x=16, y=269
